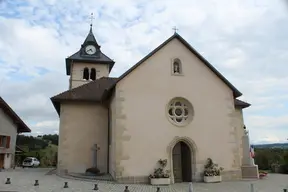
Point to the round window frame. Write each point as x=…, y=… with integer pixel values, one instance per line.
x=190, y=109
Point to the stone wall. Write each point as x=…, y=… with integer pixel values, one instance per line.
x=81, y=126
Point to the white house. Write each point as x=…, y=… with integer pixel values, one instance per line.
x=10, y=126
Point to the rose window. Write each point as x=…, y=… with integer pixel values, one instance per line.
x=180, y=111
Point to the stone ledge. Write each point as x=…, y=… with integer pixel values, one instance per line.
x=231, y=175
x=133, y=180
x=104, y=177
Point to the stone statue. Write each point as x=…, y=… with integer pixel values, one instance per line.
x=176, y=67
x=248, y=168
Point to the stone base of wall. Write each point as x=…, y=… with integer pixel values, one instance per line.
x=226, y=176
x=232, y=175
x=133, y=180
x=199, y=177
x=61, y=172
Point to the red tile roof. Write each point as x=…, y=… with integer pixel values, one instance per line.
x=94, y=91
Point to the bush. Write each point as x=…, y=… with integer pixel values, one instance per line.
x=274, y=159
x=284, y=169
x=159, y=172
x=211, y=169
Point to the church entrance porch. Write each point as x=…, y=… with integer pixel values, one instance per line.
x=181, y=157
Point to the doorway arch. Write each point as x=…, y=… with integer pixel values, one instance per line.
x=182, y=152
x=182, y=166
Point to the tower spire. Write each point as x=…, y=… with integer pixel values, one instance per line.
x=90, y=37
x=89, y=52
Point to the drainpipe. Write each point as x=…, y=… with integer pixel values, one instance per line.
x=108, y=150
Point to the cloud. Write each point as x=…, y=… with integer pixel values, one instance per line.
x=245, y=40
x=45, y=127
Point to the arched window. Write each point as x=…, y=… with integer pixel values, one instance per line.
x=93, y=74
x=177, y=66
x=86, y=73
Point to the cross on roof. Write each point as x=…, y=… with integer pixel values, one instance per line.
x=91, y=18
x=175, y=29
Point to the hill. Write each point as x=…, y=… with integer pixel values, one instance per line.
x=43, y=148
x=272, y=145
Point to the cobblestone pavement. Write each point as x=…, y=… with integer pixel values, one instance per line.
x=23, y=181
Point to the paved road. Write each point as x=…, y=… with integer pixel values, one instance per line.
x=23, y=180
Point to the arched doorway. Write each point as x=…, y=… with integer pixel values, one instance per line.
x=182, y=164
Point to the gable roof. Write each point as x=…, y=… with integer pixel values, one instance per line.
x=92, y=91
x=100, y=89
x=21, y=126
x=236, y=92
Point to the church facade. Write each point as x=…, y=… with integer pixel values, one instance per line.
x=173, y=104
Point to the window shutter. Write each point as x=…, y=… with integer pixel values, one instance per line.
x=8, y=142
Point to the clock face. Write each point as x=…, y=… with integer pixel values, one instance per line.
x=90, y=49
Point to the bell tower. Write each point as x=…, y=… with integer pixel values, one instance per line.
x=88, y=64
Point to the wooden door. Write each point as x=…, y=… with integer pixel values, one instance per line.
x=2, y=160
x=177, y=163
x=186, y=163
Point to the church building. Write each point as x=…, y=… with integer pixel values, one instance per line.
x=172, y=104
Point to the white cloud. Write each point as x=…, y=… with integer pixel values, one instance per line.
x=268, y=122
x=245, y=40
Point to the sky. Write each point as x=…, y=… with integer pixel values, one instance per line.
x=246, y=40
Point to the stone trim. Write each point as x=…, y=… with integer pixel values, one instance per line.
x=193, y=149
x=188, y=106
x=121, y=134
x=235, y=138
x=187, y=140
